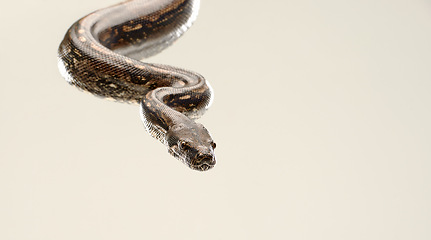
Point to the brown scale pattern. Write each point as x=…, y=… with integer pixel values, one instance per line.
x=100, y=54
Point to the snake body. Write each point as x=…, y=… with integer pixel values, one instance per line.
x=101, y=53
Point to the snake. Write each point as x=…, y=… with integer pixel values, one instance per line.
x=102, y=54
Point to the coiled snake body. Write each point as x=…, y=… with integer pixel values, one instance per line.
x=100, y=54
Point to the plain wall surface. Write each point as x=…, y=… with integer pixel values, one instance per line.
x=321, y=116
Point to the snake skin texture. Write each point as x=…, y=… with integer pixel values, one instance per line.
x=101, y=53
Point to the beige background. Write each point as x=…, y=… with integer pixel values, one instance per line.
x=322, y=118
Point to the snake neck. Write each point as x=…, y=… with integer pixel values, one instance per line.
x=187, y=98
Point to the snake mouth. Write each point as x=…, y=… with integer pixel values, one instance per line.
x=204, y=162
x=203, y=167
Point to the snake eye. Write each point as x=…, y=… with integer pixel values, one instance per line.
x=184, y=145
x=213, y=145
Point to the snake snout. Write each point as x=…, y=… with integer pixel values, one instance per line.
x=205, y=161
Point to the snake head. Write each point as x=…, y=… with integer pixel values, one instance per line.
x=192, y=144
